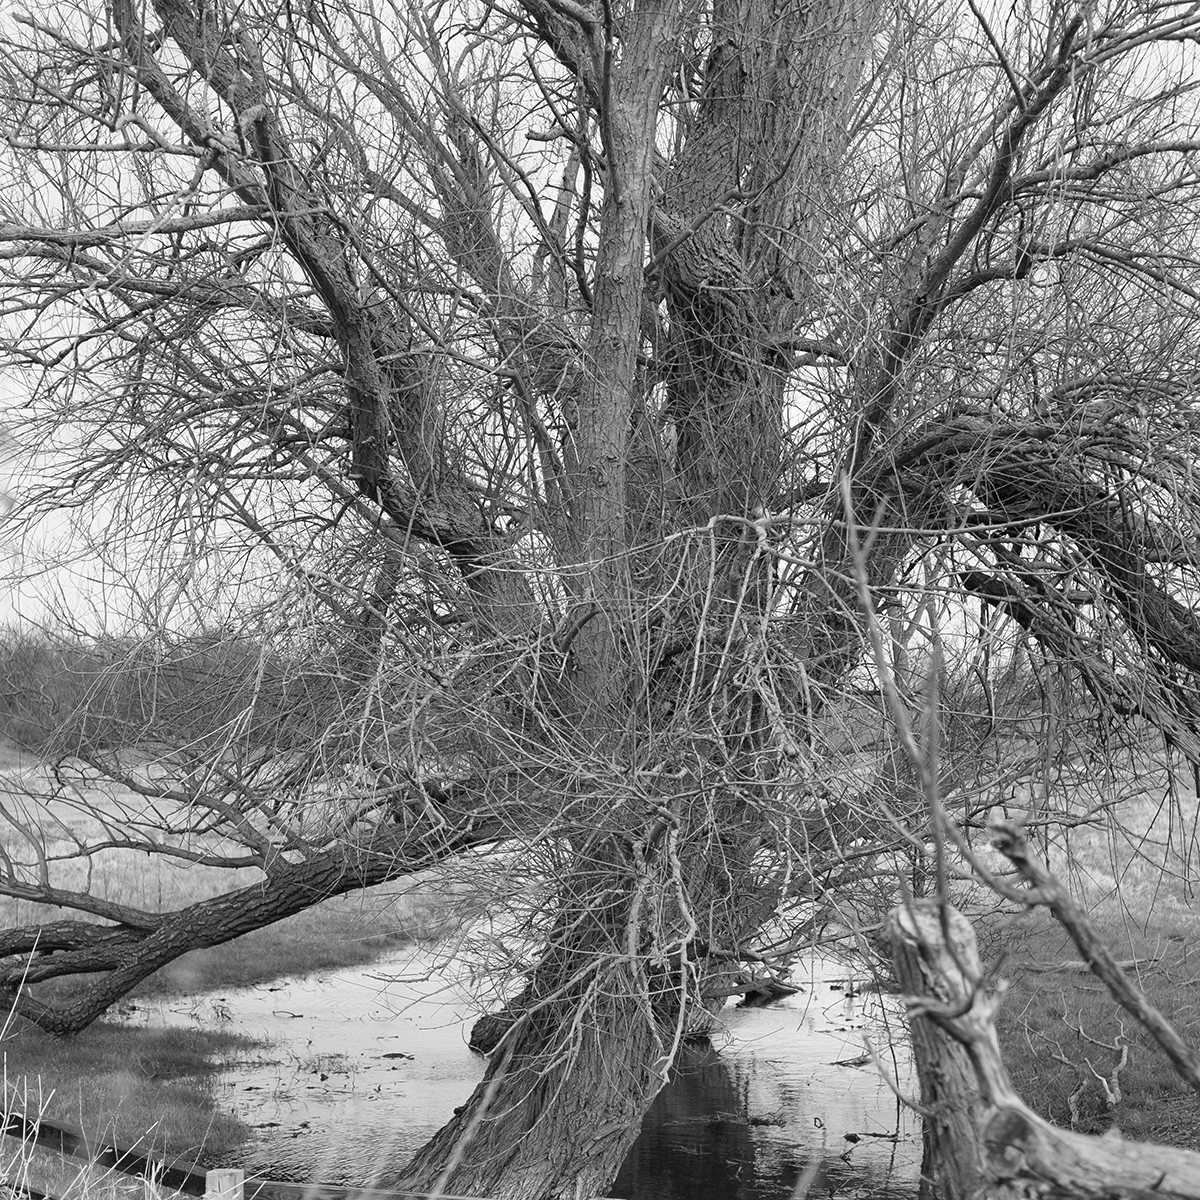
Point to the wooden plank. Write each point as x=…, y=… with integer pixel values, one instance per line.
x=72, y=1142
x=25, y=1191
x=227, y=1183
x=268, y=1190
x=265, y=1189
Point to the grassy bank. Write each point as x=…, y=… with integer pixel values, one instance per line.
x=344, y=931
x=1081, y=1061
x=150, y=1088
x=347, y=931
x=24, y=1167
x=159, y=1087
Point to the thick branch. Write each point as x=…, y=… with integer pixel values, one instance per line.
x=131, y=955
x=1028, y=473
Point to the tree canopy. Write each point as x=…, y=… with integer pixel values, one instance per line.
x=677, y=461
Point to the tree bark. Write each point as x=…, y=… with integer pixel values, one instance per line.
x=593, y=1035
x=569, y=1081
x=982, y=1142
x=618, y=572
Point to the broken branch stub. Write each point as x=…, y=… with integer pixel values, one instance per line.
x=982, y=1142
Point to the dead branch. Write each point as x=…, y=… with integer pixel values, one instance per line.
x=990, y=1144
x=1076, y=964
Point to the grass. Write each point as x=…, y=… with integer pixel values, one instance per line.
x=345, y=931
x=150, y=1088
x=24, y=1166
x=1060, y=1030
x=1063, y=1036
x=156, y=1088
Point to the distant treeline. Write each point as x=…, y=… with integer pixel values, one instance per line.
x=109, y=694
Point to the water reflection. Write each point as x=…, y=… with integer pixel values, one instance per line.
x=746, y=1123
x=695, y=1140
x=361, y=1070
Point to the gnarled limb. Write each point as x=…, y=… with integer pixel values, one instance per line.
x=127, y=953
x=983, y=1142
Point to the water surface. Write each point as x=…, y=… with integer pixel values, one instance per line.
x=362, y=1066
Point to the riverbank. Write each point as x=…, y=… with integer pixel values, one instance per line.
x=369, y=1063
x=149, y=1088
x=155, y=1086
x=330, y=1068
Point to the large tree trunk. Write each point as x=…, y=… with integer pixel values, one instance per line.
x=593, y=1038
x=563, y=1097
x=681, y=692
x=982, y=1142
x=618, y=574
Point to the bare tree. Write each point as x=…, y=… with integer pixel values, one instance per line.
x=539, y=395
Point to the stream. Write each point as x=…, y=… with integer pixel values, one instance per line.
x=363, y=1065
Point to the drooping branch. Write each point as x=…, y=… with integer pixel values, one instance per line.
x=130, y=954
x=1027, y=603
x=1035, y=473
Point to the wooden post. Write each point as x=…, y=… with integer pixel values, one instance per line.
x=224, y=1184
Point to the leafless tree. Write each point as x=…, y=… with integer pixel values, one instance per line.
x=534, y=400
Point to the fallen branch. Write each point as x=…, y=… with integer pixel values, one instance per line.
x=130, y=955
x=1076, y=964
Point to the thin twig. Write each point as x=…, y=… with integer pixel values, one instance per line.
x=991, y=37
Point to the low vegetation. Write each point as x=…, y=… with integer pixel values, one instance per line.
x=89, y=695
x=1082, y=1062
x=348, y=931
x=28, y=1169
x=157, y=1087
x=149, y=1088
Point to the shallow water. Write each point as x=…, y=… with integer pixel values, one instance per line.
x=363, y=1066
